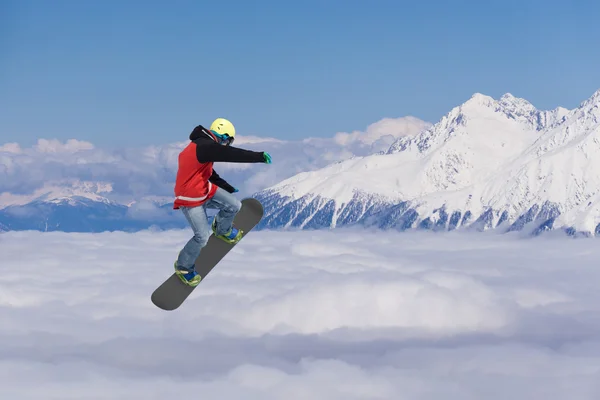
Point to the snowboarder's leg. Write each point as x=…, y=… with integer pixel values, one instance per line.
x=184, y=266
x=228, y=207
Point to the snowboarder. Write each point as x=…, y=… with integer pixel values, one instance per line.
x=198, y=187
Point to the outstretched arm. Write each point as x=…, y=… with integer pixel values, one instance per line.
x=220, y=182
x=214, y=152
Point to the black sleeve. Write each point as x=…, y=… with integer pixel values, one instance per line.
x=214, y=152
x=220, y=182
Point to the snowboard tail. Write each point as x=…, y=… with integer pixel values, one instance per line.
x=173, y=292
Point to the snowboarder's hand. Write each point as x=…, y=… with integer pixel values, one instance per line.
x=235, y=190
x=267, y=158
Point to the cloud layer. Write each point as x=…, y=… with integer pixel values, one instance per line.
x=326, y=315
x=150, y=171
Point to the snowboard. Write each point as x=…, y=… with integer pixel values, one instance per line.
x=173, y=292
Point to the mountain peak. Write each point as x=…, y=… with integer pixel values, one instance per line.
x=592, y=101
x=516, y=105
x=508, y=104
x=81, y=189
x=479, y=99
x=506, y=100
x=60, y=192
x=480, y=118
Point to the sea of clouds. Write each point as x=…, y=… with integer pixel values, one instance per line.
x=344, y=314
x=134, y=173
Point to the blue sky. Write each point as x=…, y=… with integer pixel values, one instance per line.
x=136, y=73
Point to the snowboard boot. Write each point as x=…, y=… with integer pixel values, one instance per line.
x=189, y=277
x=233, y=236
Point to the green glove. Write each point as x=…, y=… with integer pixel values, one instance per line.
x=267, y=158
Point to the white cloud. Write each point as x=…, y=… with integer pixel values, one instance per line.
x=386, y=130
x=366, y=316
x=56, y=146
x=147, y=209
x=150, y=171
x=11, y=148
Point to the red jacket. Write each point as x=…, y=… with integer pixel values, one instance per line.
x=196, y=180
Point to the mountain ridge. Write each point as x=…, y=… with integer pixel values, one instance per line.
x=487, y=163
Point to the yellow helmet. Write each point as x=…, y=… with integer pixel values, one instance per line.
x=224, y=129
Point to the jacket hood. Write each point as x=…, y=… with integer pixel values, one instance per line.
x=200, y=132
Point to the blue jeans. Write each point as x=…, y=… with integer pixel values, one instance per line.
x=228, y=207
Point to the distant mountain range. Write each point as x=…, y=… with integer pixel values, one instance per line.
x=488, y=164
x=80, y=207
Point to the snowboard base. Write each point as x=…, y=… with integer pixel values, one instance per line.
x=173, y=292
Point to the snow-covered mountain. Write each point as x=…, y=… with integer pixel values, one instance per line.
x=486, y=164
x=68, y=191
